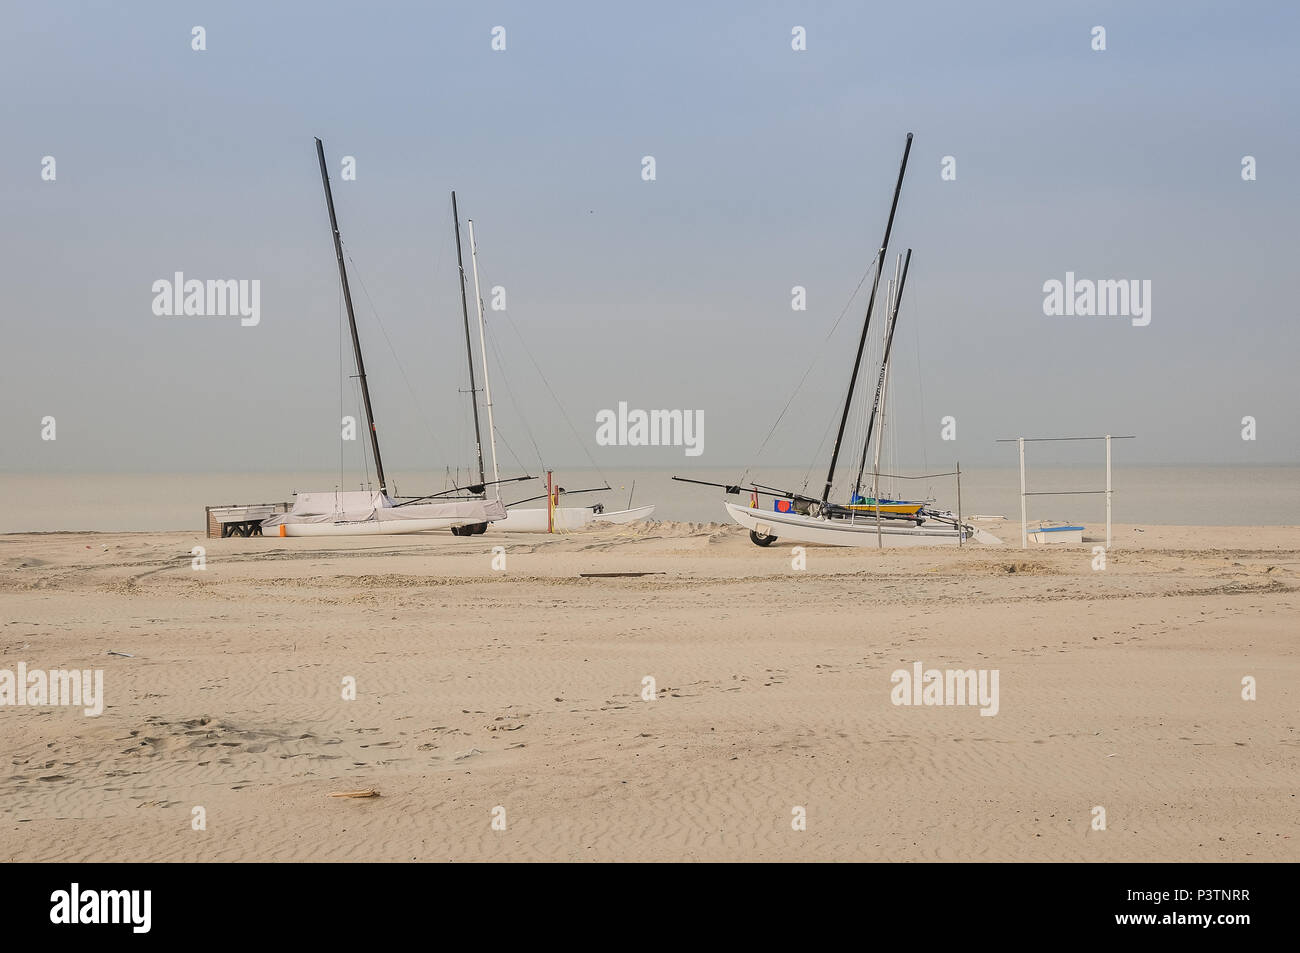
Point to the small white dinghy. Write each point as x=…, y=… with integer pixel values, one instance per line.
x=625, y=516
x=1058, y=535
x=766, y=527
x=567, y=518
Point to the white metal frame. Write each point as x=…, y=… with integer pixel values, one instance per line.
x=1025, y=492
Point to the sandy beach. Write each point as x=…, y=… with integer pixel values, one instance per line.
x=521, y=689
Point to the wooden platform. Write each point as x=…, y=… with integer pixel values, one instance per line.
x=240, y=519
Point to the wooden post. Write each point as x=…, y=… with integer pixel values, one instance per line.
x=1108, y=492
x=550, y=504
x=960, y=527
x=875, y=479
x=1024, y=519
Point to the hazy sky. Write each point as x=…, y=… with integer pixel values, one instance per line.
x=774, y=169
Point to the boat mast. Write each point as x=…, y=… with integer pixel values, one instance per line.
x=482, y=347
x=880, y=442
x=878, y=403
x=884, y=396
x=352, y=320
x=862, y=342
x=469, y=348
x=884, y=390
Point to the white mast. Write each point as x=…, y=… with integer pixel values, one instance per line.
x=884, y=380
x=482, y=346
x=880, y=411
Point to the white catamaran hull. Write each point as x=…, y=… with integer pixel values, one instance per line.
x=372, y=527
x=836, y=532
x=353, y=513
x=567, y=518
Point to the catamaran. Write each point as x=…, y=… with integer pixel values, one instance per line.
x=376, y=513
x=566, y=519
x=862, y=520
x=518, y=518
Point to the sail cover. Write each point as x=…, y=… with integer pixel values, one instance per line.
x=354, y=506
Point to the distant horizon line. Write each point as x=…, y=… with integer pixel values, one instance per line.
x=684, y=471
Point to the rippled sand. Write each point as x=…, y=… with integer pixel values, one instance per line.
x=522, y=689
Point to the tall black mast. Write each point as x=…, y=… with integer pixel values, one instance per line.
x=469, y=348
x=884, y=365
x=352, y=320
x=862, y=343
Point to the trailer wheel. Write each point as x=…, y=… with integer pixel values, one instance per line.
x=759, y=540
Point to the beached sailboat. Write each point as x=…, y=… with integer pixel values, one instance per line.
x=474, y=529
x=861, y=521
x=363, y=512
x=552, y=518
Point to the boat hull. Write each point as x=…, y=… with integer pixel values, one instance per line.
x=626, y=516
x=567, y=518
x=898, y=509
x=1056, y=535
x=360, y=528
x=834, y=532
x=354, y=513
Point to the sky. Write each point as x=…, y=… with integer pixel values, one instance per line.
x=774, y=168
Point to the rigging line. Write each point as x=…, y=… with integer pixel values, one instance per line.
x=490, y=337
x=807, y=474
x=874, y=355
x=816, y=358
x=419, y=409
x=342, y=405
x=893, y=451
x=519, y=463
x=356, y=410
x=859, y=405
x=514, y=327
x=920, y=384
x=892, y=431
x=460, y=444
x=469, y=433
x=364, y=444
x=514, y=401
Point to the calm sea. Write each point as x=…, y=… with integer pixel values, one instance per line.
x=1174, y=495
